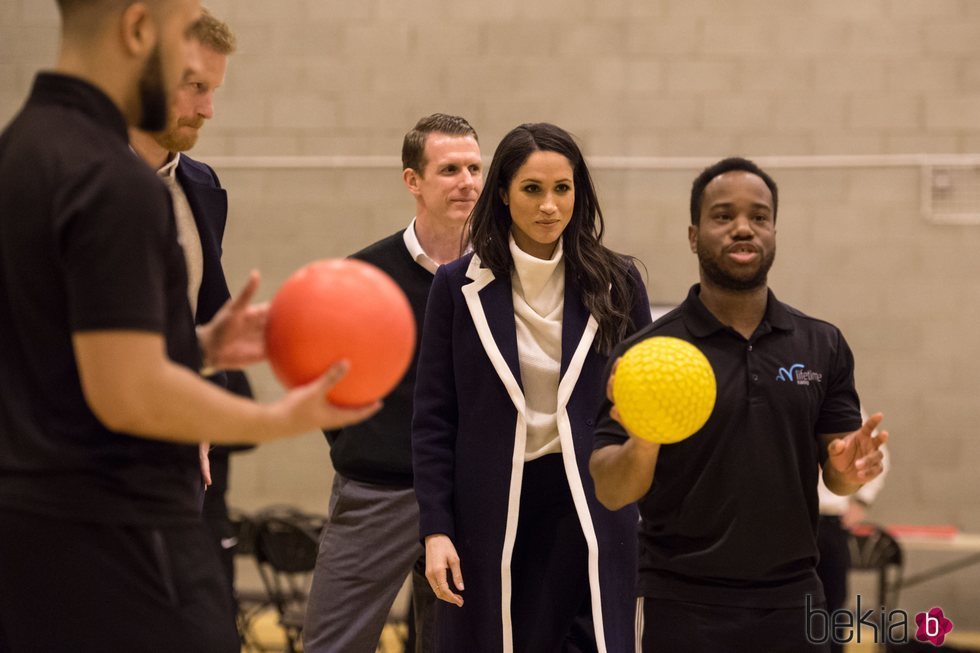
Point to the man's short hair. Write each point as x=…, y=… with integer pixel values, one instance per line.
x=69, y=6
x=728, y=165
x=213, y=33
x=208, y=30
x=413, y=147
x=81, y=18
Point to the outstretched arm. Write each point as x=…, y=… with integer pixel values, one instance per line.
x=132, y=387
x=623, y=472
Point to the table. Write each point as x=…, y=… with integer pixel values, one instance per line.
x=967, y=544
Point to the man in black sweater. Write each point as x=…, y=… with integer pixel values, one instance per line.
x=370, y=542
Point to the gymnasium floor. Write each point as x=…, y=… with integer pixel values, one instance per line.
x=267, y=633
x=267, y=636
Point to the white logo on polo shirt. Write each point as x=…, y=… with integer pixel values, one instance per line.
x=798, y=372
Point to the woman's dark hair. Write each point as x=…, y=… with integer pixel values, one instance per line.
x=603, y=275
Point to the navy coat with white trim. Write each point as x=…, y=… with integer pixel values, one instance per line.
x=468, y=441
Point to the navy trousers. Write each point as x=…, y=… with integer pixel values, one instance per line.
x=551, y=608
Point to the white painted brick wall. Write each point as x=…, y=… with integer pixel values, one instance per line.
x=641, y=78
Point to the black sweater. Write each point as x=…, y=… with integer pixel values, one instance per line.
x=379, y=450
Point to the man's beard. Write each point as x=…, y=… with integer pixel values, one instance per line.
x=714, y=272
x=153, y=94
x=174, y=139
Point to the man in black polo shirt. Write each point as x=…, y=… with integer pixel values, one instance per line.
x=729, y=516
x=101, y=543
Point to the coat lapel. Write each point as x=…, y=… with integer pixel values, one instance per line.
x=578, y=329
x=209, y=204
x=574, y=320
x=491, y=307
x=498, y=306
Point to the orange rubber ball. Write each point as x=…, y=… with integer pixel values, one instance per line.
x=341, y=309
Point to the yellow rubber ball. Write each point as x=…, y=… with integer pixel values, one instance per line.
x=664, y=389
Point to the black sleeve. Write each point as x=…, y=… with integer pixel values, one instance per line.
x=841, y=408
x=111, y=231
x=436, y=418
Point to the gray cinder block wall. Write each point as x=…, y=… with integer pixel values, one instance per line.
x=642, y=78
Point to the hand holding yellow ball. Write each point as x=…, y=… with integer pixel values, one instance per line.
x=664, y=389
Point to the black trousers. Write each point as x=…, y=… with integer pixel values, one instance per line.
x=835, y=560
x=681, y=627
x=79, y=587
x=550, y=601
x=217, y=522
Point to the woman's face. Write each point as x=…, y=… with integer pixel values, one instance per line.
x=541, y=196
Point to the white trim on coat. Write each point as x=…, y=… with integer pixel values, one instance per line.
x=471, y=292
x=638, y=624
x=565, y=389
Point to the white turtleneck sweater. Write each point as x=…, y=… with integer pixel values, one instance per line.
x=539, y=299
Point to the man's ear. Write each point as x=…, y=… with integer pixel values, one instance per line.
x=138, y=29
x=692, y=238
x=411, y=178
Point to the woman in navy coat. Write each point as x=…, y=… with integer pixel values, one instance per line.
x=514, y=345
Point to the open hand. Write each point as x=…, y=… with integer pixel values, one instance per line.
x=306, y=407
x=235, y=337
x=856, y=457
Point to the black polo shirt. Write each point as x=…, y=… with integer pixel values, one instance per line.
x=731, y=516
x=87, y=242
